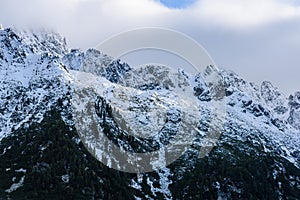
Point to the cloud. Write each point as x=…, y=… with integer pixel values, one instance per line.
x=245, y=13
x=66, y=13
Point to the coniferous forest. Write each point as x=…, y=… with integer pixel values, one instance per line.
x=54, y=164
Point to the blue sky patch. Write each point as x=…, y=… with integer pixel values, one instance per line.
x=177, y=3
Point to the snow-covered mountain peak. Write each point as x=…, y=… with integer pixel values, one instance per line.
x=96, y=62
x=236, y=84
x=32, y=76
x=157, y=77
x=39, y=74
x=273, y=99
x=30, y=41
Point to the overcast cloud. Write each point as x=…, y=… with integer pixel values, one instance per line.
x=260, y=40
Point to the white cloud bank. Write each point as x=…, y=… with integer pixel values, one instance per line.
x=245, y=13
x=65, y=13
x=77, y=19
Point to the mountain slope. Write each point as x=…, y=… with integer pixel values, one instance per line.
x=256, y=157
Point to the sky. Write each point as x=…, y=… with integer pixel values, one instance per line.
x=259, y=40
x=177, y=3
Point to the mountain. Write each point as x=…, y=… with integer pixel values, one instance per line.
x=46, y=151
